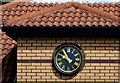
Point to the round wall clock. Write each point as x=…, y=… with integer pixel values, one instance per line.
x=68, y=59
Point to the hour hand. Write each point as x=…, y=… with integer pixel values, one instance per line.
x=66, y=56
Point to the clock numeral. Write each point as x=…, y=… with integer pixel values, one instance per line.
x=59, y=59
x=68, y=49
x=60, y=63
x=68, y=69
x=60, y=54
x=63, y=67
x=76, y=63
x=73, y=67
x=77, y=59
x=73, y=51
x=76, y=54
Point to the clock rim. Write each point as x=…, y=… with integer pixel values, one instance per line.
x=68, y=45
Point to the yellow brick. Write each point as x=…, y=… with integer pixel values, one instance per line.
x=45, y=77
x=26, y=44
x=110, y=41
x=31, y=41
x=89, y=80
x=18, y=58
x=100, y=41
x=40, y=54
x=46, y=64
x=55, y=44
x=100, y=55
x=27, y=51
x=41, y=74
x=95, y=77
x=36, y=77
x=18, y=70
x=107, y=81
x=104, y=58
x=95, y=51
x=100, y=48
x=99, y=74
x=71, y=41
x=90, y=41
x=18, y=64
x=36, y=58
x=90, y=54
x=110, y=54
x=45, y=70
x=114, y=58
x=89, y=74
x=109, y=48
x=104, y=51
x=94, y=71
x=87, y=57
x=104, y=71
x=26, y=70
x=41, y=41
x=95, y=44
x=80, y=41
x=26, y=64
x=85, y=77
x=114, y=71
x=31, y=67
x=41, y=48
x=114, y=44
x=21, y=54
x=100, y=68
x=105, y=44
x=105, y=64
x=26, y=77
x=104, y=77
x=46, y=44
x=81, y=74
x=41, y=80
x=31, y=74
x=31, y=80
x=89, y=67
x=21, y=41
x=50, y=74
x=109, y=74
x=19, y=80
x=87, y=64
x=19, y=51
x=21, y=67
x=60, y=41
x=46, y=58
x=18, y=77
x=85, y=44
x=35, y=64
x=45, y=51
x=36, y=51
x=31, y=54
x=51, y=80
x=99, y=80
x=109, y=67
x=94, y=58
x=113, y=64
x=49, y=55
x=36, y=70
x=40, y=67
x=26, y=57
x=95, y=64
x=21, y=74
x=90, y=48
x=85, y=70
x=86, y=51
x=36, y=44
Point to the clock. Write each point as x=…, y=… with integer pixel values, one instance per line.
x=68, y=59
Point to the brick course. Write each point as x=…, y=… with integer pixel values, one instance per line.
x=105, y=50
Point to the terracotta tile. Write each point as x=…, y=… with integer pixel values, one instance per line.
x=71, y=16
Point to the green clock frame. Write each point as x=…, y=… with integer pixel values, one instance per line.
x=68, y=58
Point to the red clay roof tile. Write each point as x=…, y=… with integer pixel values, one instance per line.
x=49, y=14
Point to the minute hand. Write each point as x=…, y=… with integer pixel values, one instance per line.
x=69, y=60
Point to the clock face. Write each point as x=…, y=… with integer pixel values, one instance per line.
x=68, y=59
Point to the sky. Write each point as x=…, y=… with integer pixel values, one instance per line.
x=90, y=1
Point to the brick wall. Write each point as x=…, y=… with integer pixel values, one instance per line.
x=35, y=54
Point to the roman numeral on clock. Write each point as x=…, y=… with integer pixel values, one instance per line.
x=68, y=69
x=63, y=67
x=77, y=59
x=59, y=59
x=76, y=54
x=60, y=63
x=68, y=49
x=76, y=63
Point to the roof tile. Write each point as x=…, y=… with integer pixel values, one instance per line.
x=70, y=16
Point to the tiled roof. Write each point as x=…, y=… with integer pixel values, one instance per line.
x=7, y=46
x=24, y=14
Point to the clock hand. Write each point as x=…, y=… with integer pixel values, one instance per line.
x=69, y=60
